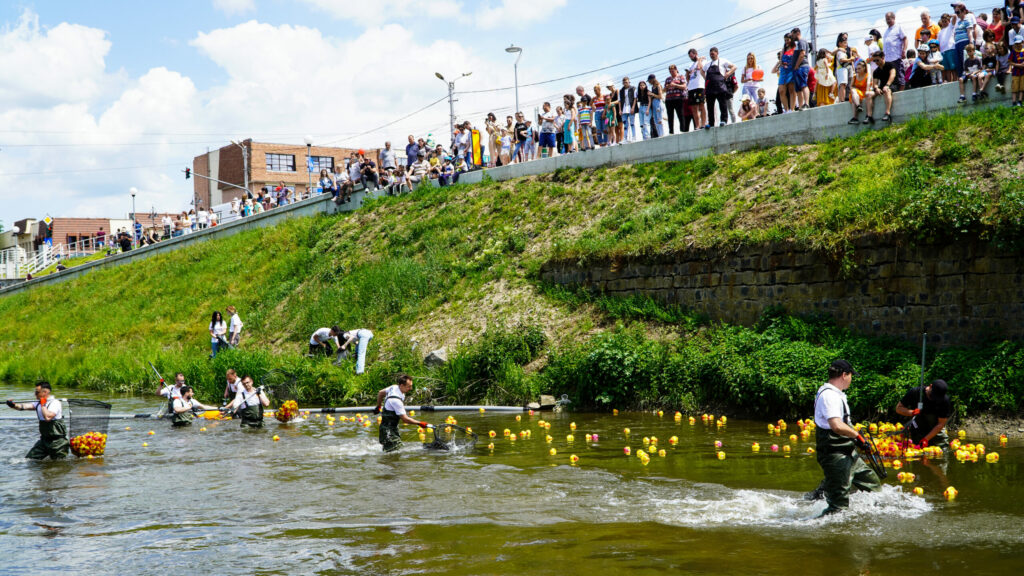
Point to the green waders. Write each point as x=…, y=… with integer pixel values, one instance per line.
x=53, y=441
x=388, y=435
x=252, y=416
x=183, y=419
x=844, y=470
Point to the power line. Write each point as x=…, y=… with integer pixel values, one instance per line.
x=393, y=122
x=83, y=170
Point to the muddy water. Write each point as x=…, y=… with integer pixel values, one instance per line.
x=324, y=500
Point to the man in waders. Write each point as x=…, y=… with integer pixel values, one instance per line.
x=183, y=409
x=837, y=441
x=392, y=400
x=53, y=434
x=928, y=423
x=232, y=386
x=248, y=404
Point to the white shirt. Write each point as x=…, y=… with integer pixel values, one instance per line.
x=462, y=141
x=179, y=403
x=234, y=204
x=722, y=64
x=322, y=335
x=236, y=324
x=204, y=217
x=395, y=400
x=53, y=405
x=945, y=38
x=892, y=43
x=830, y=403
x=387, y=158
x=218, y=329
x=244, y=399
x=235, y=386
x=341, y=177
x=547, y=122
x=696, y=81
x=171, y=391
x=166, y=221
x=353, y=171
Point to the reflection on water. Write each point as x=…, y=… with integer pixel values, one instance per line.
x=325, y=500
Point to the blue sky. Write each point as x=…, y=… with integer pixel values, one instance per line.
x=98, y=97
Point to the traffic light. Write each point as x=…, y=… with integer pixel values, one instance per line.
x=188, y=173
x=49, y=230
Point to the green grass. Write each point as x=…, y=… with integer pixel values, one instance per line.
x=449, y=266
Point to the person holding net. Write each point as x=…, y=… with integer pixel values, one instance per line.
x=391, y=406
x=53, y=433
x=248, y=404
x=183, y=409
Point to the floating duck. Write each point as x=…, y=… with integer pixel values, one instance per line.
x=570, y=438
x=615, y=412
x=595, y=437
x=548, y=438
x=793, y=438
x=203, y=429
x=718, y=443
x=755, y=447
x=692, y=420
x=1002, y=439
x=775, y=447
x=661, y=453
x=144, y=444
x=961, y=434
x=276, y=438
x=785, y=448
x=721, y=455
x=919, y=491
x=129, y=428
x=482, y=410
x=552, y=451
x=572, y=425
x=951, y=492
x=506, y=432
x=492, y=433
x=588, y=437
x=519, y=418
x=574, y=459
x=625, y=431
x=673, y=440
x=660, y=413
x=896, y=464
x=992, y=457
x=627, y=450
x=151, y=433
x=490, y=446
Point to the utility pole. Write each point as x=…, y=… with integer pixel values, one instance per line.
x=245, y=162
x=451, y=101
x=813, y=31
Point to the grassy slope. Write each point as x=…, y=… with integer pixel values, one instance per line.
x=441, y=266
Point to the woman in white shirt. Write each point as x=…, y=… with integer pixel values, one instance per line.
x=218, y=328
x=752, y=77
x=234, y=326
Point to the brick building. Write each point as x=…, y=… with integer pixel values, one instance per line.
x=269, y=164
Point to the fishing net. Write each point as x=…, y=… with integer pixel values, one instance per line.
x=869, y=453
x=281, y=388
x=451, y=437
x=89, y=421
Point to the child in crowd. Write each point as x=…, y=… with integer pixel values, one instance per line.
x=826, y=89
x=762, y=103
x=506, y=147
x=935, y=57
x=748, y=111
x=989, y=65
x=1017, y=70
x=585, y=115
x=972, y=74
x=1003, y=66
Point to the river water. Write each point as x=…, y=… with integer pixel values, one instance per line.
x=324, y=500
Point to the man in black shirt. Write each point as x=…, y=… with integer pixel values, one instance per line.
x=882, y=83
x=521, y=135
x=926, y=427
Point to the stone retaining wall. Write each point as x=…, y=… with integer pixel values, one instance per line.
x=960, y=294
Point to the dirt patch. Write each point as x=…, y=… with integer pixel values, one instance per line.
x=991, y=425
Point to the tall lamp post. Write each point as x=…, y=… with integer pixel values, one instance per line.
x=513, y=49
x=451, y=102
x=309, y=165
x=134, y=191
x=245, y=163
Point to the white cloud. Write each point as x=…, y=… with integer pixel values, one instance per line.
x=232, y=7
x=376, y=12
x=516, y=13
x=62, y=64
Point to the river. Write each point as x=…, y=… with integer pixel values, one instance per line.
x=324, y=500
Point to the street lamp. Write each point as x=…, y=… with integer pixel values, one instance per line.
x=513, y=49
x=451, y=102
x=134, y=191
x=309, y=164
x=245, y=164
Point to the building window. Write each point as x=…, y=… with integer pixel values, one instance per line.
x=323, y=163
x=280, y=163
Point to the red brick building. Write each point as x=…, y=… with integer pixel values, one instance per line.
x=269, y=164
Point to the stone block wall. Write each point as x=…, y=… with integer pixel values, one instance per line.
x=959, y=293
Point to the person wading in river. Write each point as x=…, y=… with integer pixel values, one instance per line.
x=184, y=409
x=248, y=404
x=232, y=385
x=391, y=404
x=926, y=427
x=837, y=441
x=53, y=434
x=173, y=391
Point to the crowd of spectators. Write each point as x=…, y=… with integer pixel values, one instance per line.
x=974, y=51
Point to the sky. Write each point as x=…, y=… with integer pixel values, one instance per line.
x=99, y=97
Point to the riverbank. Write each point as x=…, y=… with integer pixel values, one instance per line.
x=459, y=268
